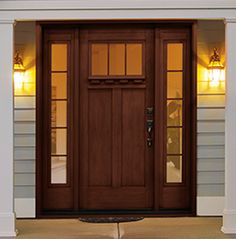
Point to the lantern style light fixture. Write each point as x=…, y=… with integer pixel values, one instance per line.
x=215, y=69
x=19, y=71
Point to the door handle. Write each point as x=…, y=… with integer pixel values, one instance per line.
x=149, y=124
x=149, y=131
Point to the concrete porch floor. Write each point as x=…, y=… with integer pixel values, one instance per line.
x=149, y=228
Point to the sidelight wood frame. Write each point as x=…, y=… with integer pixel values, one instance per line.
x=173, y=195
x=158, y=150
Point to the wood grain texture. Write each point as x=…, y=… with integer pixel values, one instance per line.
x=110, y=165
x=100, y=138
x=133, y=138
x=115, y=167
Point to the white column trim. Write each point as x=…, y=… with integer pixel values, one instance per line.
x=7, y=215
x=7, y=223
x=229, y=214
x=229, y=219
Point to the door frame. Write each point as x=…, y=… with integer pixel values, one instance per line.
x=39, y=112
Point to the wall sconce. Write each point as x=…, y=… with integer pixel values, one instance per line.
x=215, y=69
x=19, y=71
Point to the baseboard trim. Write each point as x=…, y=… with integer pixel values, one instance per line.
x=25, y=207
x=210, y=206
x=7, y=225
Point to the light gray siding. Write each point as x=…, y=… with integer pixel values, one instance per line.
x=211, y=114
x=211, y=126
x=24, y=153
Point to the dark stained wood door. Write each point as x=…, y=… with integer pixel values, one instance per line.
x=116, y=119
x=116, y=88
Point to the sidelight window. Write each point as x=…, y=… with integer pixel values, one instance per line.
x=59, y=103
x=174, y=113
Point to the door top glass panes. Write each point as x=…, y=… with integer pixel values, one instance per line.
x=116, y=59
x=59, y=57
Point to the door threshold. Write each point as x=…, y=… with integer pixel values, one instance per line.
x=123, y=213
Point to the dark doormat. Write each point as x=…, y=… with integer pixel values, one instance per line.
x=110, y=219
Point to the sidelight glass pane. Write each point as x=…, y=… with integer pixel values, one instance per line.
x=59, y=86
x=117, y=59
x=59, y=141
x=174, y=112
x=174, y=85
x=99, y=59
x=174, y=169
x=58, y=113
x=175, y=56
x=58, y=169
x=174, y=140
x=59, y=57
x=134, y=59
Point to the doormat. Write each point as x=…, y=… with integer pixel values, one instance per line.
x=110, y=219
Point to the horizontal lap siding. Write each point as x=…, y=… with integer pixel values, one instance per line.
x=211, y=139
x=25, y=102
x=24, y=118
x=24, y=128
x=211, y=190
x=209, y=164
x=210, y=114
x=26, y=166
x=211, y=126
x=24, y=191
x=24, y=115
x=24, y=153
x=24, y=144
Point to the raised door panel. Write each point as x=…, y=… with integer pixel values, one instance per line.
x=133, y=137
x=100, y=137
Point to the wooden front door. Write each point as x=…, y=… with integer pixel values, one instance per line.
x=116, y=90
x=115, y=119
